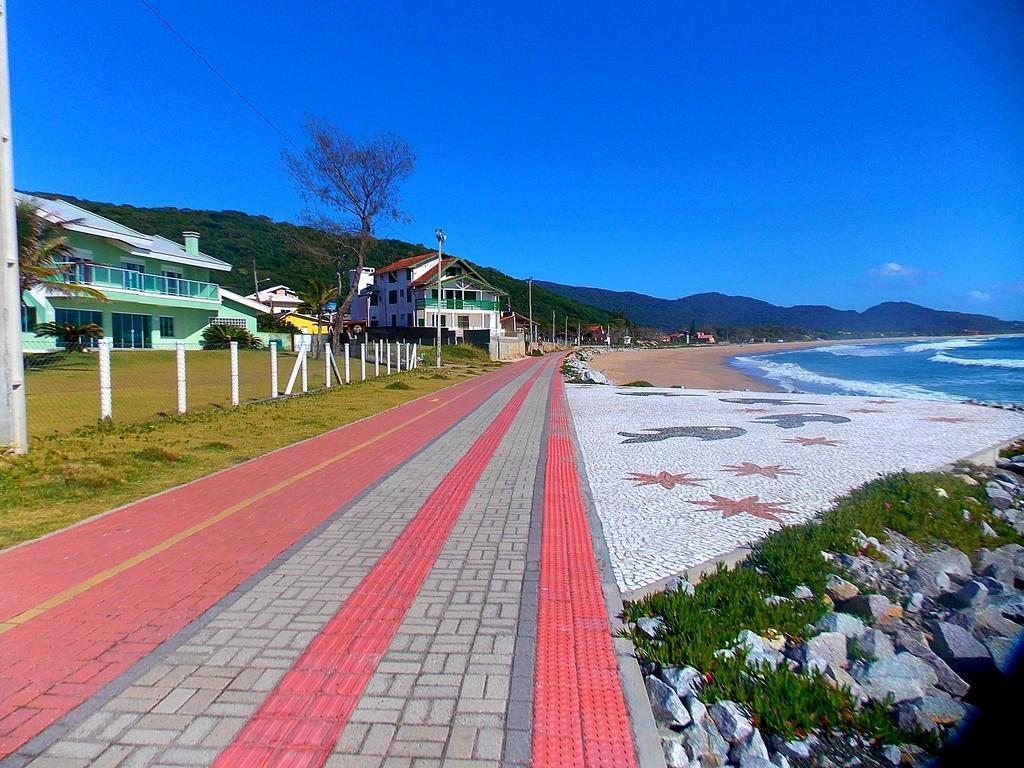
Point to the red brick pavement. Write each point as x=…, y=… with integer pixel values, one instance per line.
x=79, y=608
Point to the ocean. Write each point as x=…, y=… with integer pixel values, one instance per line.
x=975, y=368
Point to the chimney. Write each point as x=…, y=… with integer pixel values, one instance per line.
x=191, y=243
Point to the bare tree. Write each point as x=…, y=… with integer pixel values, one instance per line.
x=355, y=186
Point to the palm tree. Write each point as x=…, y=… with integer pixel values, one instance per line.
x=43, y=250
x=315, y=299
x=70, y=333
x=218, y=336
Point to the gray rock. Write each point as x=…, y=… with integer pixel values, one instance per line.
x=1013, y=609
x=958, y=648
x=990, y=621
x=843, y=623
x=998, y=565
x=941, y=708
x=679, y=584
x=1014, y=551
x=988, y=531
x=716, y=749
x=756, y=762
x=731, y=721
x=948, y=680
x=904, y=676
x=998, y=496
x=932, y=572
x=973, y=594
x=875, y=607
x=874, y=643
x=779, y=760
x=840, y=589
x=910, y=717
x=684, y=681
x=675, y=754
x=775, y=600
x=892, y=754
x=803, y=592
x=698, y=712
x=828, y=646
x=651, y=625
x=1003, y=652
x=914, y=602
x=796, y=750
x=750, y=748
x=666, y=705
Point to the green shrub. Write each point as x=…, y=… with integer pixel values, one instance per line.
x=638, y=383
x=397, y=385
x=218, y=336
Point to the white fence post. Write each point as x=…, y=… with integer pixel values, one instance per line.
x=327, y=364
x=376, y=359
x=273, y=370
x=233, y=346
x=398, y=357
x=363, y=362
x=415, y=356
x=348, y=378
x=179, y=365
x=106, y=405
x=386, y=345
x=305, y=370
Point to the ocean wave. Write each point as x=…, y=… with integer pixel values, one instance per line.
x=857, y=350
x=790, y=375
x=936, y=346
x=984, y=362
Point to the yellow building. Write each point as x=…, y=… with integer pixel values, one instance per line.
x=305, y=323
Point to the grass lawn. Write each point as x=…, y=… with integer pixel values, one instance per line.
x=69, y=476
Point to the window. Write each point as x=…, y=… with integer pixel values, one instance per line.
x=408, y=320
x=238, y=321
x=392, y=297
x=463, y=321
x=392, y=278
x=433, y=293
x=408, y=274
x=131, y=277
x=172, y=281
x=77, y=316
x=28, y=318
x=471, y=295
x=373, y=322
x=374, y=299
x=131, y=331
x=394, y=320
x=167, y=327
x=422, y=323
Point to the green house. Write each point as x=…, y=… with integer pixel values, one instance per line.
x=158, y=291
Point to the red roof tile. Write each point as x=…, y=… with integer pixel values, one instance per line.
x=431, y=274
x=406, y=263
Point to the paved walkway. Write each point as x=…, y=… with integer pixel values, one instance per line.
x=417, y=589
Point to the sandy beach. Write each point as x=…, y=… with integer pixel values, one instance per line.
x=705, y=367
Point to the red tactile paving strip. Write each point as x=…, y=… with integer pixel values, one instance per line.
x=579, y=714
x=53, y=661
x=302, y=717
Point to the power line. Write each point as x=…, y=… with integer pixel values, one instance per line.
x=223, y=79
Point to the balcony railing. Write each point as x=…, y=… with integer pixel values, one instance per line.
x=101, y=276
x=471, y=304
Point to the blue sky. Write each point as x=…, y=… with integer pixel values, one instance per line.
x=832, y=153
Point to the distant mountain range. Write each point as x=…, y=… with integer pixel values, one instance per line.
x=719, y=310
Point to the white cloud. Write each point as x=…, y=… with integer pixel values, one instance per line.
x=979, y=295
x=894, y=269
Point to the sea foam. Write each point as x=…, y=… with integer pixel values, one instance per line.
x=984, y=362
x=935, y=346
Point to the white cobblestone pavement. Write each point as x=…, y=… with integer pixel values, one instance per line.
x=680, y=477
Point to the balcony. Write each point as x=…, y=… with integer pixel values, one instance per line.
x=476, y=305
x=101, y=276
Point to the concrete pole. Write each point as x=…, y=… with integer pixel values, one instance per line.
x=398, y=357
x=273, y=371
x=363, y=361
x=13, y=422
x=233, y=346
x=179, y=365
x=304, y=368
x=376, y=359
x=106, y=404
x=327, y=364
x=348, y=378
x=386, y=345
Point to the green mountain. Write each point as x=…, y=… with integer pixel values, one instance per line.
x=293, y=254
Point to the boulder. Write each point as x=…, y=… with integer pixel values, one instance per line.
x=684, y=681
x=875, y=644
x=843, y=623
x=932, y=573
x=996, y=564
x=679, y=584
x=750, y=748
x=828, y=646
x=731, y=721
x=713, y=750
x=904, y=676
x=795, y=749
x=990, y=620
x=988, y=531
x=803, y=592
x=840, y=589
x=756, y=762
x=998, y=496
x=941, y=708
x=910, y=717
x=675, y=754
x=874, y=607
x=973, y=594
x=1003, y=651
x=958, y=648
x=1013, y=609
x=698, y=712
x=666, y=705
x=948, y=680
x=892, y=754
x=779, y=760
x=651, y=626
x=914, y=602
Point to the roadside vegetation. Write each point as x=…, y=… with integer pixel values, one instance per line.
x=781, y=701
x=71, y=476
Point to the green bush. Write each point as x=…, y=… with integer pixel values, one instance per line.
x=638, y=383
x=220, y=337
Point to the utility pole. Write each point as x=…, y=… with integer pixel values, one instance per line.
x=553, y=339
x=579, y=335
x=567, y=330
x=255, y=280
x=439, y=234
x=533, y=333
x=13, y=429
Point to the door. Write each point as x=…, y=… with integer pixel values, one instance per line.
x=131, y=277
x=131, y=331
x=172, y=281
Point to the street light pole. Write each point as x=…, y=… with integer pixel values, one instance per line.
x=533, y=333
x=439, y=234
x=13, y=429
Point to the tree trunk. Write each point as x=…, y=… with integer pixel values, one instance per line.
x=364, y=248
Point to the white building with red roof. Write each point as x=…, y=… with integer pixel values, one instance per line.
x=404, y=294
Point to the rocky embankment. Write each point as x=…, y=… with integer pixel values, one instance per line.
x=577, y=370
x=928, y=637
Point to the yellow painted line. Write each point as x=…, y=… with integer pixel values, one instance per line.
x=62, y=597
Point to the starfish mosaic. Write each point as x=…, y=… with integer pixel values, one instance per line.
x=747, y=469
x=805, y=441
x=751, y=505
x=949, y=419
x=666, y=480
x=867, y=410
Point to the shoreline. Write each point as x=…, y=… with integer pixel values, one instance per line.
x=708, y=367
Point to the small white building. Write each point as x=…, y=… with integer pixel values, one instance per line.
x=404, y=294
x=280, y=298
